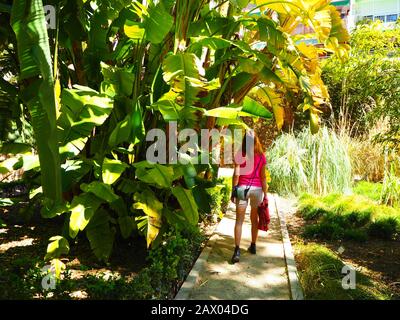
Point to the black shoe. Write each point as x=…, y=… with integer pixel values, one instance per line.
x=252, y=248
x=236, y=255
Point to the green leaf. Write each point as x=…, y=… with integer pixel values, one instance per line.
x=181, y=72
x=224, y=112
x=213, y=43
x=202, y=198
x=100, y=190
x=83, y=208
x=72, y=171
x=130, y=129
x=119, y=79
x=56, y=248
x=112, y=170
x=134, y=30
x=6, y=202
x=180, y=65
x=29, y=25
x=15, y=148
x=156, y=174
x=7, y=165
x=53, y=210
x=157, y=23
x=175, y=218
x=255, y=109
x=250, y=66
x=187, y=203
x=101, y=235
x=150, y=205
x=82, y=109
x=127, y=225
x=189, y=174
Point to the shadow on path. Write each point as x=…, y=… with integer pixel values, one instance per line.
x=261, y=276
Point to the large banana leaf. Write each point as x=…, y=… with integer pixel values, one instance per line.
x=112, y=170
x=29, y=25
x=150, y=205
x=187, y=203
x=101, y=235
x=82, y=109
x=181, y=72
x=83, y=207
x=155, y=174
x=157, y=22
x=58, y=246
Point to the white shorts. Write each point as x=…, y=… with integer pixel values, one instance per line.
x=255, y=195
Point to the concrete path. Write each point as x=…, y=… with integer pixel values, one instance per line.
x=261, y=276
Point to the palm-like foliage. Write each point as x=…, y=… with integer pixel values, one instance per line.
x=143, y=64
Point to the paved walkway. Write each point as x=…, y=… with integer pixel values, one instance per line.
x=261, y=276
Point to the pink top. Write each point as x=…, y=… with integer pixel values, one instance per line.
x=248, y=175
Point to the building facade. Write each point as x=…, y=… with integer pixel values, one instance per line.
x=387, y=11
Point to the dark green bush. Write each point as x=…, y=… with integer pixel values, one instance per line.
x=385, y=227
x=348, y=217
x=324, y=230
x=355, y=234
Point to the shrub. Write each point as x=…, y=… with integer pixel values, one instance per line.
x=311, y=208
x=317, y=164
x=324, y=230
x=385, y=228
x=349, y=217
x=220, y=197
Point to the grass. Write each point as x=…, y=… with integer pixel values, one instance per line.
x=370, y=190
x=317, y=164
x=320, y=274
x=351, y=217
x=391, y=183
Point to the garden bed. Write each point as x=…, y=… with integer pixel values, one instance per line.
x=374, y=259
x=132, y=271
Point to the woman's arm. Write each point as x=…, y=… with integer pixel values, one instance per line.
x=235, y=179
x=264, y=180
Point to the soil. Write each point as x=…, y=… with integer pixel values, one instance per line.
x=23, y=244
x=378, y=259
x=28, y=241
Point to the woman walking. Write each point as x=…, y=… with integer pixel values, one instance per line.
x=249, y=184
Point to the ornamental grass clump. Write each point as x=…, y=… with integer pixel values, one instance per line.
x=318, y=164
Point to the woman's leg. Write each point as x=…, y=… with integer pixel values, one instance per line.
x=240, y=213
x=256, y=198
x=254, y=224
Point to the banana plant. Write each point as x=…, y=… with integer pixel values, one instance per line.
x=125, y=67
x=37, y=82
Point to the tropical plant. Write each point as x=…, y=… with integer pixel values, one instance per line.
x=122, y=68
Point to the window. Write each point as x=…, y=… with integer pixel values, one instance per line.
x=391, y=18
x=368, y=17
x=381, y=18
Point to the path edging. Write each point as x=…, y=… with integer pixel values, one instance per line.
x=296, y=290
x=191, y=279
